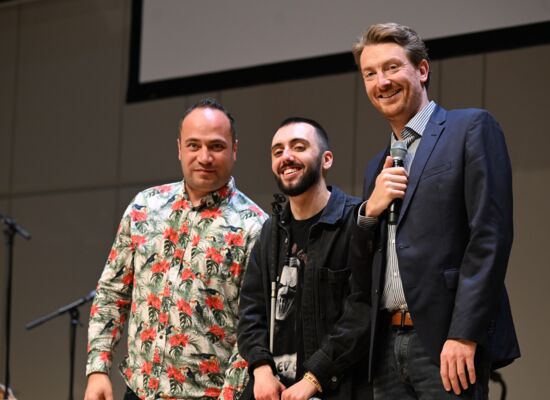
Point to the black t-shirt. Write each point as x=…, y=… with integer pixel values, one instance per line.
x=288, y=342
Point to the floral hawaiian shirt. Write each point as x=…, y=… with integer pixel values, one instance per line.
x=175, y=272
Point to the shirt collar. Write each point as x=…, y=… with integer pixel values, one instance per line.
x=214, y=198
x=418, y=123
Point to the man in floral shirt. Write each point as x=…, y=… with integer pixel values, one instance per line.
x=174, y=272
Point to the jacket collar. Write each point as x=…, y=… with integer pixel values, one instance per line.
x=333, y=211
x=433, y=131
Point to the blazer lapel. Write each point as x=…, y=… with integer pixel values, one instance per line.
x=431, y=135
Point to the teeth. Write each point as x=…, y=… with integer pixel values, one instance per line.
x=289, y=171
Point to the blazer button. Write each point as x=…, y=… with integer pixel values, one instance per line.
x=334, y=379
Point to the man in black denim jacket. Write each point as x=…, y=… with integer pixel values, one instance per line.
x=313, y=354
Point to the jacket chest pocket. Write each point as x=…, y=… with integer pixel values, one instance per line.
x=333, y=290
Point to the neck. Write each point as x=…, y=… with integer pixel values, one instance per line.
x=310, y=202
x=397, y=125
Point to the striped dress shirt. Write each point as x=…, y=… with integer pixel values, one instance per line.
x=393, y=297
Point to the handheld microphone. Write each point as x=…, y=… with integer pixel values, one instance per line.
x=398, y=152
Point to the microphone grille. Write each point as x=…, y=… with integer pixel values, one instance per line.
x=399, y=150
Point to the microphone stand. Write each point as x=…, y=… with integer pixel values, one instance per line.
x=72, y=310
x=10, y=230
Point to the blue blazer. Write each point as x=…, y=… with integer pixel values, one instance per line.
x=454, y=236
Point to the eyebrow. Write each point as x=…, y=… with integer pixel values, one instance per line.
x=293, y=141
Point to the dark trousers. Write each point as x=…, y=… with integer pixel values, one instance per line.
x=405, y=371
x=130, y=395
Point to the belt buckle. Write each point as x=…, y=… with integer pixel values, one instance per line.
x=403, y=313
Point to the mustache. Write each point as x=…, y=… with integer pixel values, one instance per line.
x=287, y=164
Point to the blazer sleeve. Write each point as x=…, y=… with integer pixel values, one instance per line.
x=488, y=201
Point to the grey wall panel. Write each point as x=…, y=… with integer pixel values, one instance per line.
x=149, y=151
x=62, y=262
x=8, y=63
x=69, y=94
x=516, y=93
x=259, y=110
x=516, y=88
x=462, y=82
x=4, y=209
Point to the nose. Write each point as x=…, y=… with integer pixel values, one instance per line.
x=287, y=154
x=382, y=80
x=204, y=156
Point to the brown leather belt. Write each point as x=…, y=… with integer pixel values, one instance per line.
x=401, y=319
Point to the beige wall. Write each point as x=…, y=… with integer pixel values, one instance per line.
x=72, y=154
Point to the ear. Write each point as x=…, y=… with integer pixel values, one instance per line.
x=179, y=149
x=424, y=70
x=328, y=157
x=235, y=145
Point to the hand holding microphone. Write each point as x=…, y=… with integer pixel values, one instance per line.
x=390, y=185
x=398, y=152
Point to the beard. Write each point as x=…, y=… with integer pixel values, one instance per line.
x=310, y=178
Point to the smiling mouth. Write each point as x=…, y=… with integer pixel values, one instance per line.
x=290, y=170
x=389, y=95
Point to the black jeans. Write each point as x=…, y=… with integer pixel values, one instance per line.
x=130, y=395
x=405, y=371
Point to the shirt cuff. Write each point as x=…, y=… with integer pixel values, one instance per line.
x=364, y=222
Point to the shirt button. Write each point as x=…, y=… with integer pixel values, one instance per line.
x=334, y=379
x=393, y=242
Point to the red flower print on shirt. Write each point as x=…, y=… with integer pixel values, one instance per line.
x=179, y=339
x=184, y=229
x=178, y=254
x=138, y=216
x=93, y=310
x=233, y=239
x=163, y=318
x=240, y=364
x=146, y=368
x=209, y=366
x=112, y=255
x=228, y=393
x=180, y=205
x=187, y=274
x=213, y=254
x=235, y=269
x=217, y=331
x=160, y=267
x=184, y=307
x=153, y=383
x=105, y=356
x=148, y=335
x=256, y=210
x=138, y=240
x=211, y=213
x=153, y=301
x=214, y=302
x=212, y=392
x=196, y=240
x=175, y=374
x=171, y=235
x=128, y=279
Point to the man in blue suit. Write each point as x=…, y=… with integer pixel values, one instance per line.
x=441, y=319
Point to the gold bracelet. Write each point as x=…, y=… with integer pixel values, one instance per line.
x=308, y=376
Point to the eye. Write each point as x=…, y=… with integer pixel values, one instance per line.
x=299, y=147
x=369, y=75
x=277, y=152
x=193, y=146
x=217, y=147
